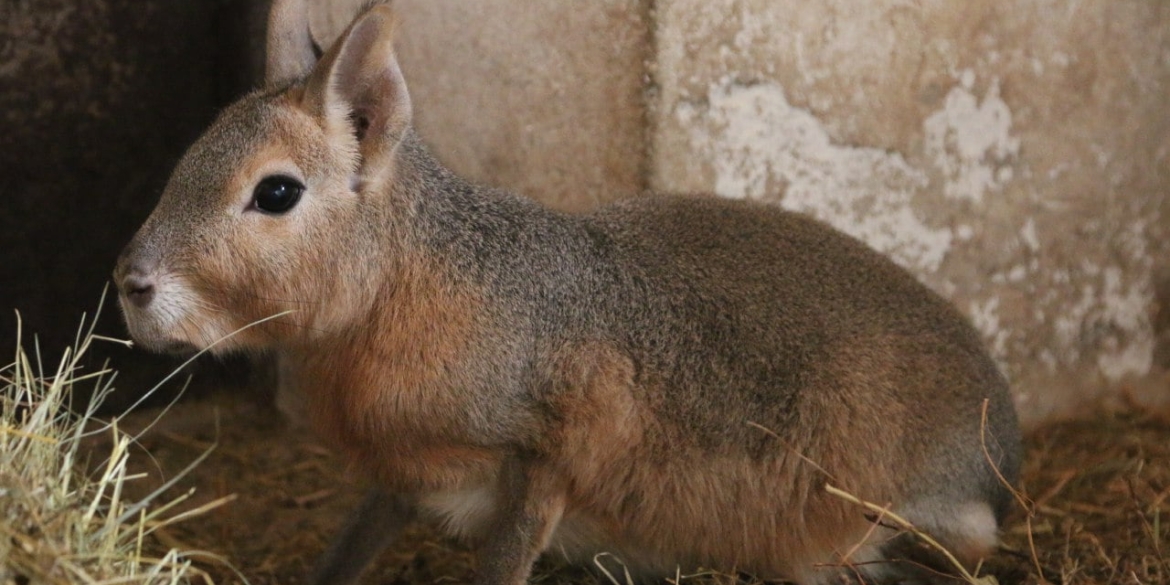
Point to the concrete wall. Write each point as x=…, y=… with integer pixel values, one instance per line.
x=1014, y=155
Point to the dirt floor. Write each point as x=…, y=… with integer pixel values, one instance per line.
x=1098, y=491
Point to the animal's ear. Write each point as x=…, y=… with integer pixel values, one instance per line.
x=290, y=53
x=357, y=88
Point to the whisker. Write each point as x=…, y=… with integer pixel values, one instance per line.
x=277, y=300
x=194, y=277
x=204, y=305
x=299, y=326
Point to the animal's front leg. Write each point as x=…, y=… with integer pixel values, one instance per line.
x=530, y=507
x=371, y=528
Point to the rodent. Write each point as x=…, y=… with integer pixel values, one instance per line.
x=671, y=379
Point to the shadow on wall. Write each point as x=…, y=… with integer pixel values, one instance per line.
x=99, y=98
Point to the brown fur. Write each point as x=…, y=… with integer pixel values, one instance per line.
x=427, y=329
x=670, y=379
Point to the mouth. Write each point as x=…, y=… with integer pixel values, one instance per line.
x=152, y=337
x=178, y=348
x=163, y=345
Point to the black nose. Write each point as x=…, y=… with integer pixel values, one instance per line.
x=138, y=289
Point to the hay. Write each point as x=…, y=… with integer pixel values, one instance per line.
x=59, y=522
x=1101, y=502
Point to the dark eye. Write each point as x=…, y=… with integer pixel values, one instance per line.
x=277, y=194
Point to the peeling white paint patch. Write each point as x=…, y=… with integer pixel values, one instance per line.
x=1125, y=308
x=985, y=317
x=970, y=141
x=1110, y=318
x=758, y=143
x=1028, y=235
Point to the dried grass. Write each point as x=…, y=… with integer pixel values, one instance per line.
x=64, y=515
x=1101, y=502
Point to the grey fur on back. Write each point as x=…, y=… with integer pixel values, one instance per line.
x=721, y=297
x=736, y=307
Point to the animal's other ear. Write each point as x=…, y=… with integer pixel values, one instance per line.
x=357, y=88
x=290, y=53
